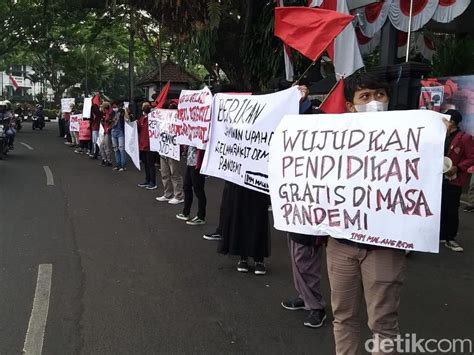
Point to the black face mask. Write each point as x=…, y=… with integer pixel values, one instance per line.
x=147, y=110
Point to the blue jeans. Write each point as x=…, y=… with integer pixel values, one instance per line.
x=118, y=142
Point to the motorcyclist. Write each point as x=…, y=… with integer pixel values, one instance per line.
x=39, y=116
x=19, y=113
x=6, y=118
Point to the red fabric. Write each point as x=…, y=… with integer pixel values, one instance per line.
x=95, y=121
x=308, y=30
x=372, y=11
x=418, y=6
x=446, y=3
x=335, y=102
x=96, y=100
x=160, y=100
x=461, y=153
x=143, y=134
x=361, y=38
x=67, y=116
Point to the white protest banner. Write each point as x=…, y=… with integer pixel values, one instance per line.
x=241, y=129
x=194, y=114
x=161, y=125
x=131, y=142
x=66, y=104
x=86, y=109
x=100, y=137
x=75, y=123
x=373, y=178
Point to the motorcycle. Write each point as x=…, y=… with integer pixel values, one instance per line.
x=18, y=120
x=38, y=122
x=4, y=148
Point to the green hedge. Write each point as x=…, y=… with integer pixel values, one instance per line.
x=51, y=114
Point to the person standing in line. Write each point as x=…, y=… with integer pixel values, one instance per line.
x=459, y=148
x=194, y=181
x=356, y=270
x=146, y=156
x=118, y=136
x=306, y=255
x=106, y=145
x=96, y=117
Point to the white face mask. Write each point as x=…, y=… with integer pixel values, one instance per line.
x=115, y=109
x=372, y=106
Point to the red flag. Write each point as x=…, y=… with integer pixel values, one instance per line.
x=160, y=100
x=14, y=83
x=335, y=102
x=309, y=31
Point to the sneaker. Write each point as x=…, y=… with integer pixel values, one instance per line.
x=78, y=151
x=196, y=221
x=294, y=304
x=144, y=184
x=175, y=201
x=151, y=187
x=122, y=169
x=260, y=269
x=451, y=244
x=469, y=209
x=212, y=236
x=108, y=163
x=183, y=217
x=115, y=168
x=163, y=199
x=103, y=163
x=442, y=241
x=243, y=266
x=315, y=318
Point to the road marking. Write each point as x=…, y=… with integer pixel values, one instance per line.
x=49, y=176
x=39, y=314
x=27, y=146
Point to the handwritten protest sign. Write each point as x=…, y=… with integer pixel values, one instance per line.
x=241, y=130
x=131, y=142
x=194, y=114
x=374, y=178
x=75, y=123
x=84, y=130
x=66, y=104
x=86, y=109
x=161, y=124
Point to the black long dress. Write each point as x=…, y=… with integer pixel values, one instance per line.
x=244, y=223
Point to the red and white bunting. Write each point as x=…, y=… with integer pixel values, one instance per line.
x=423, y=11
x=367, y=45
x=448, y=10
x=372, y=17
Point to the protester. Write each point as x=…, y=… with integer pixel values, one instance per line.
x=96, y=117
x=118, y=136
x=106, y=144
x=306, y=254
x=194, y=181
x=172, y=181
x=146, y=156
x=360, y=270
x=470, y=194
x=245, y=227
x=459, y=148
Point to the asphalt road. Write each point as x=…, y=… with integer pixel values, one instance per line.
x=129, y=278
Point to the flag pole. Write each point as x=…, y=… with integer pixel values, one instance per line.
x=409, y=32
x=330, y=92
x=307, y=69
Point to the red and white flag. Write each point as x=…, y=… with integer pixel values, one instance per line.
x=13, y=82
x=346, y=53
x=289, y=70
